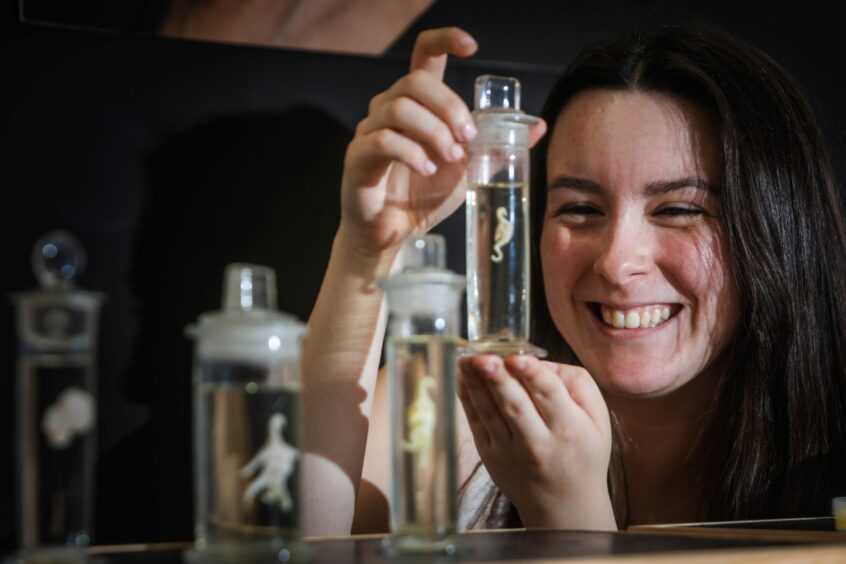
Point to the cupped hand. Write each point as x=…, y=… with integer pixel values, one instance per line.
x=544, y=434
x=405, y=168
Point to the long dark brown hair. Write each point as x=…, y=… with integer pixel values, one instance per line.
x=777, y=448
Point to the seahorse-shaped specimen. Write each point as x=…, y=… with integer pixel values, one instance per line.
x=503, y=234
x=420, y=419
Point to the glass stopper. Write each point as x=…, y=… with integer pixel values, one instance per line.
x=497, y=93
x=248, y=287
x=424, y=251
x=58, y=259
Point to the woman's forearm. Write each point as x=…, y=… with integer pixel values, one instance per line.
x=340, y=362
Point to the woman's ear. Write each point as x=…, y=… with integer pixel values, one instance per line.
x=536, y=132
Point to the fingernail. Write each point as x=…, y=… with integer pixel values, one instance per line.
x=550, y=365
x=519, y=363
x=456, y=152
x=489, y=367
x=468, y=130
x=430, y=167
x=467, y=40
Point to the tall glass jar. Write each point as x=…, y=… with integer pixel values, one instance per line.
x=57, y=328
x=423, y=336
x=498, y=244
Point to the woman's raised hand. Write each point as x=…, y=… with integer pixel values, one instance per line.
x=404, y=169
x=544, y=434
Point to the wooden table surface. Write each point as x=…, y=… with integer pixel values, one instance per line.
x=664, y=544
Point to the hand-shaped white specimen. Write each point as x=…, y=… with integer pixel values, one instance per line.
x=276, y=462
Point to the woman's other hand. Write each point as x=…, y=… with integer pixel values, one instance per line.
x=544, y=434
x=404, y=169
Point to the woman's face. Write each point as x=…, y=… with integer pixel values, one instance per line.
x=635, y=265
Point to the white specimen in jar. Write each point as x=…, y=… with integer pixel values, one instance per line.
x=72, y=414
x=421, y=418
x=276, y=462
x=503, y=234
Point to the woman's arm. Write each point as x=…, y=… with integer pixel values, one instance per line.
x=403, y=172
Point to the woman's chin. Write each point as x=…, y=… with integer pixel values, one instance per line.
x=640, y=391
x=636, y=383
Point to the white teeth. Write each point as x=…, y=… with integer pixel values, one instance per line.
x=618, y=320
x=636, y=318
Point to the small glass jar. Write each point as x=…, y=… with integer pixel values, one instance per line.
x=246, y=421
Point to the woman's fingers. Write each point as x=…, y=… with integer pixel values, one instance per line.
x=419, y=107
x=511, y=400
x=480, y=432
x=418, y=104
x=483, y=403
x=561, y=393
x=368, y=156
x=411, y=119
x=433, y=46
x=546, y=389
x=585, y=393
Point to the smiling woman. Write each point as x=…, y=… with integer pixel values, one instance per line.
x=634, y=259
x=686, y=176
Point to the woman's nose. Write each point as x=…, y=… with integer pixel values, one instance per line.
x=623, y=254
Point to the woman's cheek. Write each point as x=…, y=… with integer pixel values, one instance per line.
x=563, y=263
x=553, y=249
x=693, y=262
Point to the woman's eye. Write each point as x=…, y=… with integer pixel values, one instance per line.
x=680, y=211
x=577, y=210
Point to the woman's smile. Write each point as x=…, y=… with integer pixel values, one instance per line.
x=635, y=316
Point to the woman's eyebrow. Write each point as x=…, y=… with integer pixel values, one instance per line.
x=582, y=184
x=664, y=186
x=651, y=189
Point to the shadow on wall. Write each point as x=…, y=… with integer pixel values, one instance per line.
x=258, y=188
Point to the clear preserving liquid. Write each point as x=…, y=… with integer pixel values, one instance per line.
x=57, y=448
x=246, y=456
x=422, y=384
x=498, y=262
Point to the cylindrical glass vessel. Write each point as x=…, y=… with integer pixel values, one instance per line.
x=246, y=420
x=498, y=247
x=57, y=403
x=424, y=315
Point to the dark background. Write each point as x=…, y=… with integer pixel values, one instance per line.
x=170, y=159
